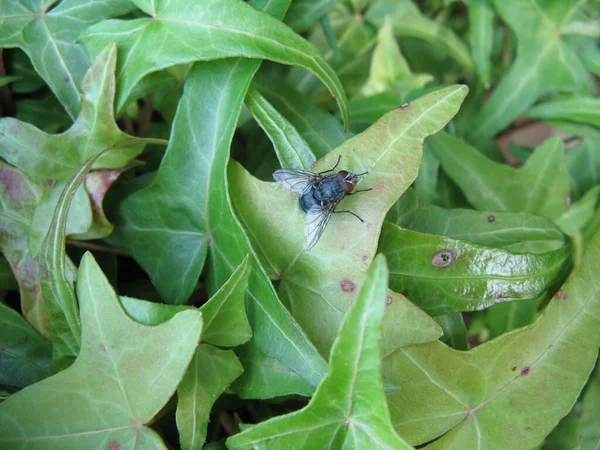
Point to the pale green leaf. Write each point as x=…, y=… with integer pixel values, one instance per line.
x=348, y=409
x=503, y=393
x=207, y=376
x=102, y=399
x=319, y=285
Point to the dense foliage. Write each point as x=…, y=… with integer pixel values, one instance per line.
x=138, y=140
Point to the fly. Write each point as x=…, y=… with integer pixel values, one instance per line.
x=319, y=196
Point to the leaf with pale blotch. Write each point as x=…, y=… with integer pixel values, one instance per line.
x=19, y=197
x=26, y=356
x=389, y=70
x=544, y=63
x=49, y=160
x=47, y=34
x=348, y=409
x=319, y=286
x=102, y=399
x=170, y=225
x=205, y=379
x=503, y=393
x=540, y=187
x=226, y=29
x=443, y=275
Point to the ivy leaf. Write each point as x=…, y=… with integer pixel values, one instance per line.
x=348, y=408
x=544, y=63
x=290, y=147
x=389, y=69
x=227, y=28
x=25, y=356
x=106, y=402
x=317, y=127
x=500, y=230
x=50, y=160
x=443, y=275
x=207, y=376
x=503, y=391
x=47, y=33
x=408, y=21
x=169, y=231
x=225, y=320
x=583, y=164
x=318, y=286
x=19, y=197
x=540, y=187
x=578, y=109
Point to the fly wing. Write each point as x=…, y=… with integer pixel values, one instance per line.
x=317, y=218
x=296, y=180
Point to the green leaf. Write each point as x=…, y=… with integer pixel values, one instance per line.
x=225, y=320
x=581, y=428
x=265, y=377
x=540, y=187
x=583, y=164
x=47, y=34
x=19, y=197
x=443, y=275
x=169, y=231
x=348, y=408
x=493, y=229
x=481, y=37
x=455, y=331
x=510, y=316
x=580, y=212
x=227, y=28
x=408, y=21
x=578, y=109
x=318, y=286
x=544, y=63
x=7, y=80
x=365, y=111
x=207, y=376
x=350, y=58
x=50, y=160
x=25, y=355
x=46, y=114
x=389, y=69
x=102, y=400
x=503, y=392
x=305, y=13
x=7, y=278
x=291, y=149
x=319, y=129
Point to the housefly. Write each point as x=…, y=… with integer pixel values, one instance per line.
x=319, y=196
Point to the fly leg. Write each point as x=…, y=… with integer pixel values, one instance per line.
x=362, y=190
x=349, y=212
x=331, y=170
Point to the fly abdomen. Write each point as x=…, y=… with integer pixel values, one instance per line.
x=308, y=200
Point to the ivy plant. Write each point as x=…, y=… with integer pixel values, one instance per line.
x=156, y=285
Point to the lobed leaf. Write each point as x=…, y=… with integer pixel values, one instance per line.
x=318, y=286
x=102, y=399
x=226, y=29
x=502, y=393
x=443, y=275
x=348, y=409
